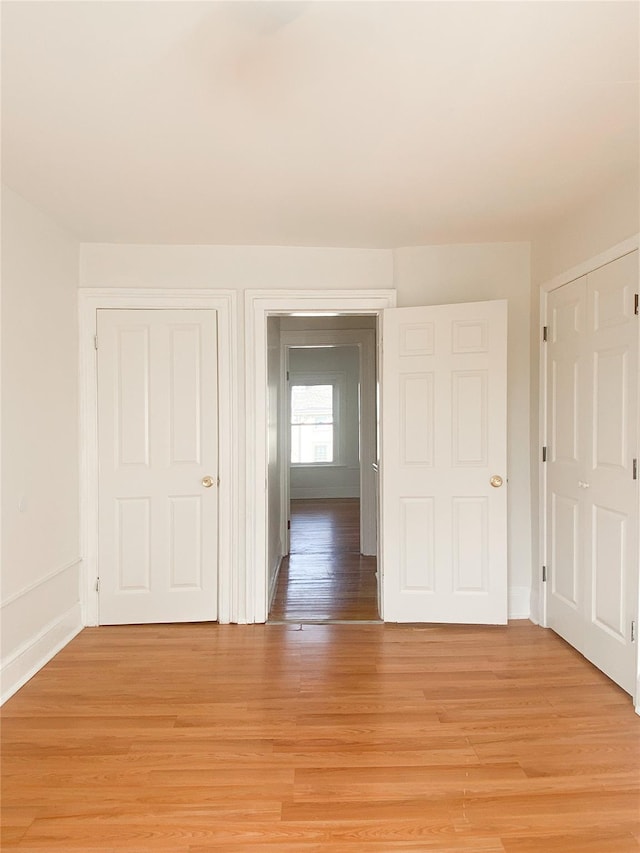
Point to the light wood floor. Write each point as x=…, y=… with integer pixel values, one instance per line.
x=323, y=738
x=325, y=577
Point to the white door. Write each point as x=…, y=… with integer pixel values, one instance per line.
x=444, y=539
x=592, y=494
x=567, y=417
x=158, y=444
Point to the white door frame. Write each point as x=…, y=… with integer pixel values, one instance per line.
x=364, y=340
x=259, y=304
x=588, y=266
x=224, y=303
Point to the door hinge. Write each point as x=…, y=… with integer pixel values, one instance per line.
x=289, y=524
x=633, y=631
x=95, y=341
x=636, y=308
x=97, y=584
x=545, y=333
x=544, y=574
x=287, y=375
x=635, y=469
x=544, y=453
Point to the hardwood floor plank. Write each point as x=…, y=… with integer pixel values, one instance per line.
x=580, y=842
x=360, y=737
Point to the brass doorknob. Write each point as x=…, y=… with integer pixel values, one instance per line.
x=207, y=482
x=496, y=481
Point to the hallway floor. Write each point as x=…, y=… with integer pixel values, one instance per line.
x=325, y=578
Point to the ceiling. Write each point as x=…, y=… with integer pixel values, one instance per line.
x=372, y=124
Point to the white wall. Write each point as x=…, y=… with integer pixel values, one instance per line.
x=332, y=481
x=235, y=267
x=40, y=526
x=435, y=275
x=592, y=228
x=570, y=240
x=275, y=546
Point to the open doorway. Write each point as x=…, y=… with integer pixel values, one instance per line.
x=322, y=443
x=443, y=508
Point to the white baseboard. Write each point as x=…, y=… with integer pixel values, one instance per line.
x=32, y=655
x=274, y=581
x=519, y=602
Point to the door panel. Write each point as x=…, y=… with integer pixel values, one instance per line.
x=443, y=437
x=157, y=434
x=610, y=401
x=133, y=538
x=565, y=550
x=132, y=396
x=417, y=561
x=469, y=418
x=610, y=532
x=470, y=544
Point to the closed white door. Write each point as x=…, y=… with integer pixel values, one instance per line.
x=444, y=529
x=158, y=464
x=592, y=491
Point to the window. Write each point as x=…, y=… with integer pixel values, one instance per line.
x=313, y=423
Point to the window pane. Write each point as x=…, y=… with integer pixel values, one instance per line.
x=311, y=443
x=312, y=404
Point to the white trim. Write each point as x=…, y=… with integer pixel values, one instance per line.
x=594, y=263
x=224, y=303
x=258, y=305
x=538, y=586
x=519, y=602
x=32, y=655
x=284, y=418
x=50, y=576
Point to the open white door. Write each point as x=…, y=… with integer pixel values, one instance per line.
x=443, y=464
x=158, y=456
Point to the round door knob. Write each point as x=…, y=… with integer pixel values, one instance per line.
x=496, y=481
x=207, y=482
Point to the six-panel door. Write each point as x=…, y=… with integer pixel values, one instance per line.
x=444, y=540
x=158, y=442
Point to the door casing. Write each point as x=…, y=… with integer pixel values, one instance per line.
x=259, y=304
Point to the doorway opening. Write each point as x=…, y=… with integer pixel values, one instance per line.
x=322, y=507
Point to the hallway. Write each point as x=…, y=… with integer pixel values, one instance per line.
x=325, y=578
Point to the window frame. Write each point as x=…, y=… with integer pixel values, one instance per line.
x=337, y=380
